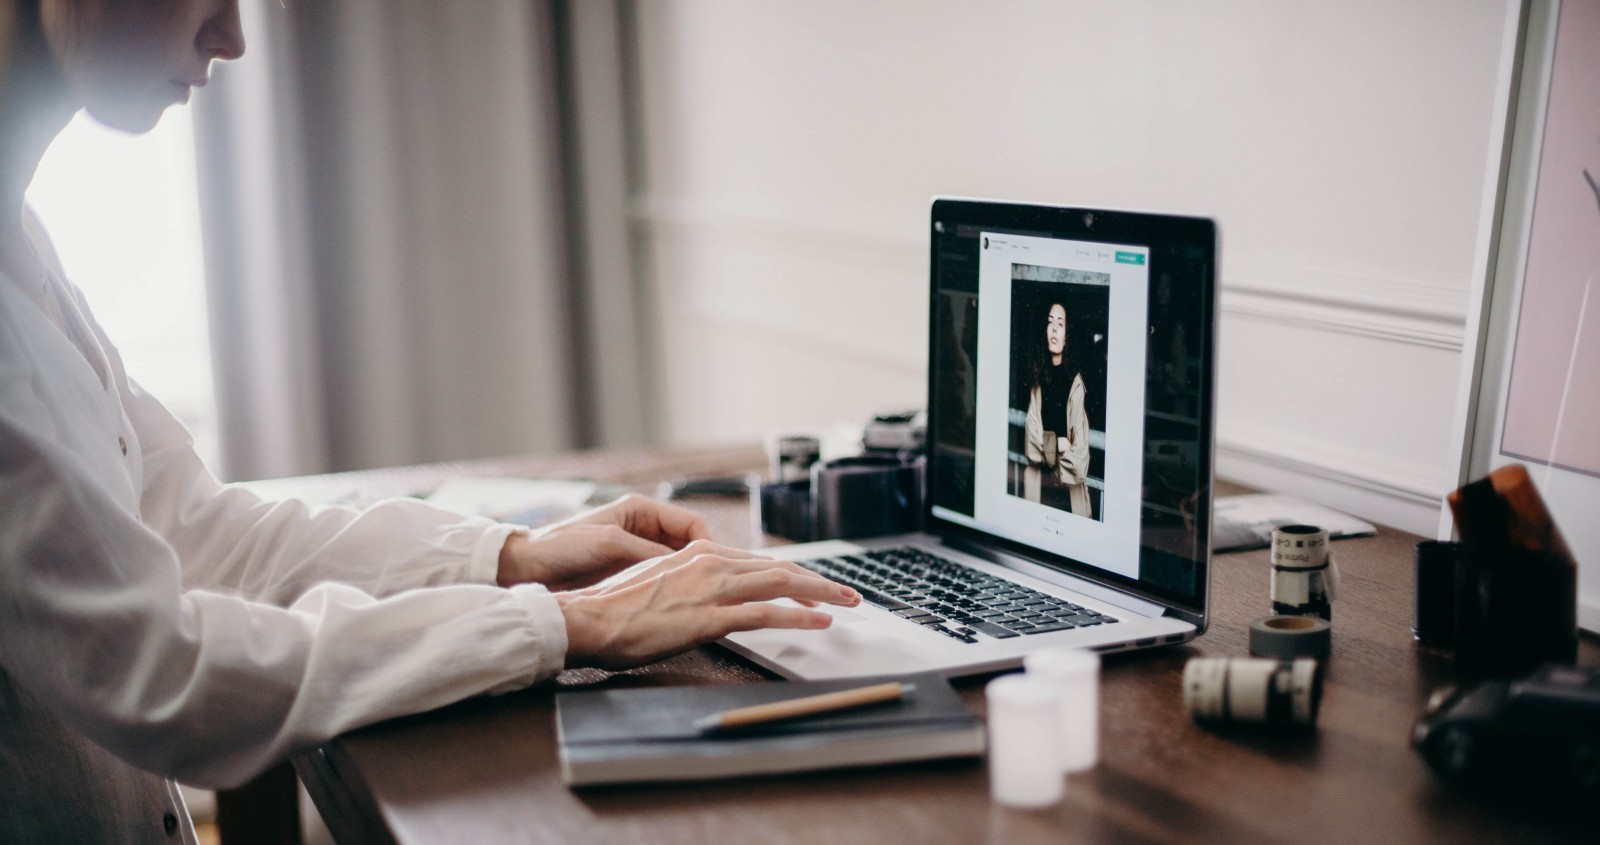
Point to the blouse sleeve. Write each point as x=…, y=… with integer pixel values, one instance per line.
x=211, y=688
x=228, y=539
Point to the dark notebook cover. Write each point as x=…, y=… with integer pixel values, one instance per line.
x=620, y=736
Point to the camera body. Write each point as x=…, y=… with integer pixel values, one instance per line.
x=1538, y=732
x=876, y=493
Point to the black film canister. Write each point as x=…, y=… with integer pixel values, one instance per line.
x=1434, y=620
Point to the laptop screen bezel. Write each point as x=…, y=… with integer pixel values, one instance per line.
x=1100, y=226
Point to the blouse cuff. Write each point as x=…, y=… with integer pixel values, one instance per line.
x=549, y=634
x=483, y=567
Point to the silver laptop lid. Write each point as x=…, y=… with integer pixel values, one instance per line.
x=1070, y=392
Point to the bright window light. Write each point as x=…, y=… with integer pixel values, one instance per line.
x=123, y=212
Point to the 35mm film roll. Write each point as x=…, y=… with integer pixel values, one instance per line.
x=1247, y=690
x=1303, y=575
x=1288, y=637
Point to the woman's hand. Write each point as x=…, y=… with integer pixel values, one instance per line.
x=689, y=598
x=590, y=547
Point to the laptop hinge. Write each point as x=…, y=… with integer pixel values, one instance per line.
x=1098, y=592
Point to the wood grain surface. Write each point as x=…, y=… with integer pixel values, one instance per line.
x=485, y=770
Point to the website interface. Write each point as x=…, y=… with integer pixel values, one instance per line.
x=1067, y=398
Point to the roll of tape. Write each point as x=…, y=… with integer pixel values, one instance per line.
x=1288, y=637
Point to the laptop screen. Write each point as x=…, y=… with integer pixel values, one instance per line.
x=1070, y=389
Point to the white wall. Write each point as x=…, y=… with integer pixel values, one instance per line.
x=789, y=151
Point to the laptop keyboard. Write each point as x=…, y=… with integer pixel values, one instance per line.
x=951, y=599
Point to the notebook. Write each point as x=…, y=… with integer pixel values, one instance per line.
x=648, y=735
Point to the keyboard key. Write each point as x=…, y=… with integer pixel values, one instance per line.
x=911, y=613
x=999, y=632
x=881, y=600
x=1052, y=626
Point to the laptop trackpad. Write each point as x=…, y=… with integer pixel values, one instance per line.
x=845, y=617
x=847, y=648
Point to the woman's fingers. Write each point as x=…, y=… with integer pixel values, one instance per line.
x=693, y=596
x=753, y=617
x=707, y=553
x=632, y=547
x=711, y=547
x=834, y=592
x=665, y=523
x=700, y=550
x=769, y=584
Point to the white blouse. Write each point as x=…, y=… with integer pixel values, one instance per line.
x=195, y=630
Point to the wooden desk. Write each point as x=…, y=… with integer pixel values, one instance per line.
x=485, y=770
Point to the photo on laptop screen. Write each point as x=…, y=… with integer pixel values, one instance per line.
x=1058, y=387
x=1079, y=483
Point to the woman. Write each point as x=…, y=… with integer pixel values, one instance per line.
x=157, y=624
x=1056, y=434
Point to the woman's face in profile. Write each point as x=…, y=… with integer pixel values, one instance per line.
x=126, y=61
x=1055, y=329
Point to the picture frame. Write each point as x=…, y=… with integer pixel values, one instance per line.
x=1531, y=351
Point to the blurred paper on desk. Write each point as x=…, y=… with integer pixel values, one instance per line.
x=1246, y=522
x=531, y=502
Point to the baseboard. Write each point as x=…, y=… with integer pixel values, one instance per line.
x=1407, y=499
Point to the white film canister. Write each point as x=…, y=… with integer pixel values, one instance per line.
x=1023, y=719
x=1075, y=673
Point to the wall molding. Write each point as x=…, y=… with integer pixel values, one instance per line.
x=1393, y=310
x=1386, y=309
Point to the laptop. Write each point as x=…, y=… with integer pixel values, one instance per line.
x=1071, y=364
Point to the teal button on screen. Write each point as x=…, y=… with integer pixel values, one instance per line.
x=1130, y=258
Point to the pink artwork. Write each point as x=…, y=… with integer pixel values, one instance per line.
x=1553, y=402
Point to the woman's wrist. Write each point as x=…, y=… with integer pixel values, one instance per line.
x=516, y=560
x=585, y=627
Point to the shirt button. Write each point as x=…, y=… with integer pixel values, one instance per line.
x=123, y=443
x=170, y=823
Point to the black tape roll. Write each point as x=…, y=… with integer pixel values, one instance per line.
x=1288, y=637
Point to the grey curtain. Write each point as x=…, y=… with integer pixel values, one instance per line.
x=390, y=247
